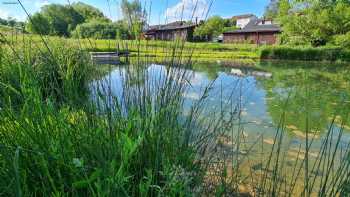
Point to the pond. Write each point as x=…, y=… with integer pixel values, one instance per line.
x=310, y=95
x=294, y=98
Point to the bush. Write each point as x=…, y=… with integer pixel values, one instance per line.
x=3, y=21
x=100, y=30
x=306, y=53
x=342, y=40
x=38, y=25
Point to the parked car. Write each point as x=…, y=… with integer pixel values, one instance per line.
x=219, y=38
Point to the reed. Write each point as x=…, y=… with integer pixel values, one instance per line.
x=57, y=139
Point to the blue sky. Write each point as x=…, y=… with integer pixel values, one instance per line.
x=161, y=10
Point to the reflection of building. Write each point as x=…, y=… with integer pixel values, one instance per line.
x=171, y=31
x=243, y=20
x=257, y=31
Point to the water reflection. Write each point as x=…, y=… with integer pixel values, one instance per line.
x=273, y=103
x=309, y=96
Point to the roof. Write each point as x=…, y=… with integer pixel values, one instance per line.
x=171, y=26
x=243, y=16
x=253, y=26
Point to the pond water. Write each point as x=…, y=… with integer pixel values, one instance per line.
x=309, y=96
x=267, y=100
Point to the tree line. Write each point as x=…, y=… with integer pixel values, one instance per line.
x=303, y=22
x=11, y=22
x=83, y=21
x=312, y=22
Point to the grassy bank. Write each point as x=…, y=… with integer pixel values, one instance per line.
x=149, y=48
x=200, y=51
x=57, y=140
x=306, y=53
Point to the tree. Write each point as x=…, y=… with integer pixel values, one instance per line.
x=122, y=30
x=3, y=21
x=212, y=27
x=271, y=10
x=134, y=16
x=78, y=19
x=101, y=30
x=89, y=12
x=11, y=22
x=313, y=22
x=59, y=19
x=38, y=25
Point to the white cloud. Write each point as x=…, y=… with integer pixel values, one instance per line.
x=185, y=9
x=4, y=14
x=41, y=3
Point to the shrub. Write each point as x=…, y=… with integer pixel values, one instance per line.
x=100, y=30
x=38, y=25
x=342, y=40
x=305, y=53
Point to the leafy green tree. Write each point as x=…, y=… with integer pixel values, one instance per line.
x=313, y=22
x=271, y=10
x=3, y=21
x=212, y=27
x=342, y=40
x=89, y=12
x=231, y=28
x=122, y=30
x=229, y=22
x=61, y=19
x=96, y=30
x=11, y=22
x=134, y=15
x=38, y=25
x=101, y=30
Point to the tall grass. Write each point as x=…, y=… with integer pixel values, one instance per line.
x=57, y=140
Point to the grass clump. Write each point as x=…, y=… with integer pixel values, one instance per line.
x=60, y=73
x=61, y=136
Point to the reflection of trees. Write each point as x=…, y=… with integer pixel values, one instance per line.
x=312, y=98
x=210, y=69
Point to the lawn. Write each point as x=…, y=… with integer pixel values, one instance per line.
x=148, y=48
x=199, y=51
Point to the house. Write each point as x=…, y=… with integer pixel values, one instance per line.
x=258, y=31
x=243, y=20
x=171, y=31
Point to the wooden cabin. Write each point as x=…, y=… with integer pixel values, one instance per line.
x=260, y=31
x=171, y=31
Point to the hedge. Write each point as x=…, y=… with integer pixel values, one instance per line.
x=305, y=53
